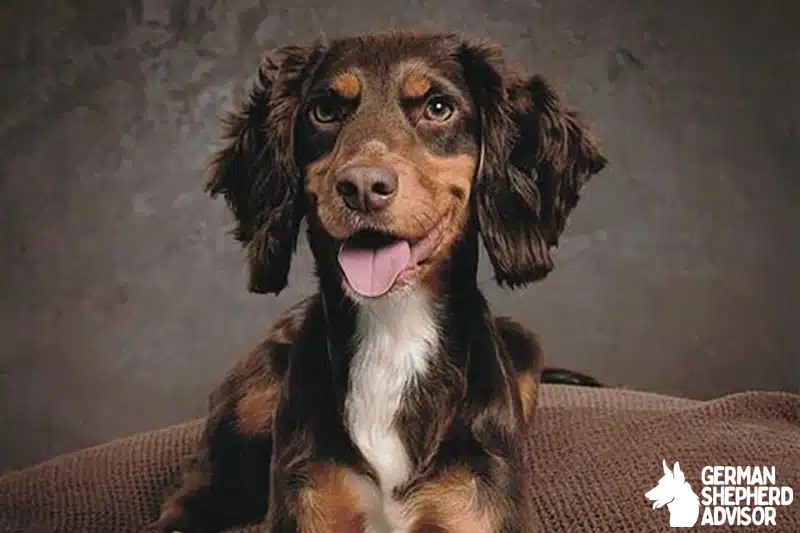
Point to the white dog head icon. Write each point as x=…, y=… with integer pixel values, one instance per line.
x=674, y=492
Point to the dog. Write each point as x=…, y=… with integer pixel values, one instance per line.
x=675, y=492
x=392, y=399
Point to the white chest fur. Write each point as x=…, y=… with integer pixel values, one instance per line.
x=395, y=338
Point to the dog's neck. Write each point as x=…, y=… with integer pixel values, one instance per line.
x=448, y=305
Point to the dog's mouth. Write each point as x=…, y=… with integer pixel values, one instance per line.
x=373, y=261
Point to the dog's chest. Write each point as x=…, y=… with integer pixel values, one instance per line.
x=395, y=338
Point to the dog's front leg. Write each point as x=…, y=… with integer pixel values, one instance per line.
x=225, y=482
x=309, y=493
x=459, y=500
x=485, y=490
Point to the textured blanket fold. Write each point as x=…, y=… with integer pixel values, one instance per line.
x=596, y=452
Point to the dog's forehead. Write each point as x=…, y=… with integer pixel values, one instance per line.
x=411, y=64
x=377, y=50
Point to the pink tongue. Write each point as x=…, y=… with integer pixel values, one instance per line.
x=372, y=272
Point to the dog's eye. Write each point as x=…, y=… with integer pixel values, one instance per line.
x=327, y=110
x=438, y=109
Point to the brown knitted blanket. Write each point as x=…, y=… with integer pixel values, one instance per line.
x=596, y=452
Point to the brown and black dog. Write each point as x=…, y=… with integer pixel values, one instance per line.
x=392, y=400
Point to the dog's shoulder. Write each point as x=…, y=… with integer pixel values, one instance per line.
x=268, y=360
x=521, y=344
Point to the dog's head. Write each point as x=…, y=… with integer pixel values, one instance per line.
x=392, y=146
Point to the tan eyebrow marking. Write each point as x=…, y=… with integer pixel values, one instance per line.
x=347, y=85
x=416, y=85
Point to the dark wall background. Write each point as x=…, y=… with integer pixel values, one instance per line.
x=122, y=297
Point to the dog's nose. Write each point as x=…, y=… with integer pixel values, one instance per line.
x=366, y=187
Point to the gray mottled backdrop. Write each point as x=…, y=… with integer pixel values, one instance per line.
x=122, y=297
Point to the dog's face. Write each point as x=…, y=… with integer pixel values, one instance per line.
x=392, y=133
x=390, y=145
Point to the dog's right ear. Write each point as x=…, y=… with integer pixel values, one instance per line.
x=256, y=168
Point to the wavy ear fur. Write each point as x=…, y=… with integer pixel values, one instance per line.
x=256, y=169
x=538, y=156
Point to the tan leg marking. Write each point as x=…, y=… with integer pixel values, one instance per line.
x=449, y=504
x=330, y=503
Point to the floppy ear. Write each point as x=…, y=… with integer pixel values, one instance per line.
x=256, y=169
x=537, y=157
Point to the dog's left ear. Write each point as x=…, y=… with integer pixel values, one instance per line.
x=256, y=169
x=537, y=156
